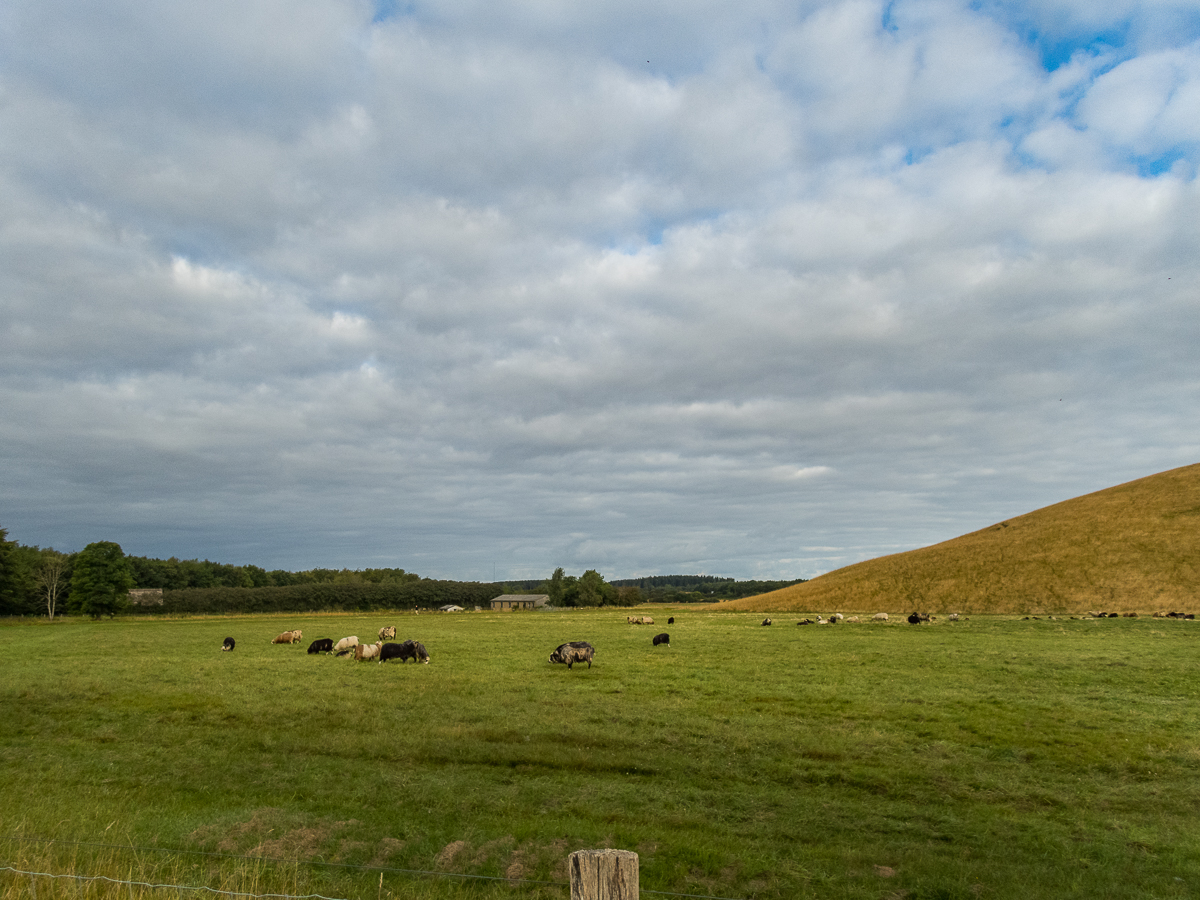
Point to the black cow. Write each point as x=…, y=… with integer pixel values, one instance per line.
x=410, y=649
x=663, y=638
x=228, y=645
x=321, y=645
x=575, y=651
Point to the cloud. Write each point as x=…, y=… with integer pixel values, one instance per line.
x=472, y=289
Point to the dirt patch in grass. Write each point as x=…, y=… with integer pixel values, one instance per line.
x=266, y=835
x=448, y=853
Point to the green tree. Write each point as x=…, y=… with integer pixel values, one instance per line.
x=555, y=588
x=594, y=590
x=101, y=580
x=11, y=581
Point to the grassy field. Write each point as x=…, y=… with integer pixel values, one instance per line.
x=995, y=757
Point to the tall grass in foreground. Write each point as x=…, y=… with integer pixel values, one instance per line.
x=990, y=758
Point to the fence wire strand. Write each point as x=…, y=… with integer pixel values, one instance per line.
x=311, y=862
x=168, y=887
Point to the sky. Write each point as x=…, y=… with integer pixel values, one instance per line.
x=475, y=289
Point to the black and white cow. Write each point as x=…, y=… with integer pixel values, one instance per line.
x=410, y=649
x=573, y=652
x=227, y=645
x=321, y=645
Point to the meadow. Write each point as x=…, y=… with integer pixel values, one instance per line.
x=996, y=757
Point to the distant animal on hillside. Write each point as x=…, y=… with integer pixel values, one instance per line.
x=879, y=617
x=573, y=652
x=227, y=645
x=387, y=633
x=766, y=621
x=288, y=637
x=410, y=649
x=367, y=651
x=321, y=645
x=663, y=638
x=346, y=643
x=671, y=621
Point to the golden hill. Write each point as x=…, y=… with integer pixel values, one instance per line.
x=1130, y=548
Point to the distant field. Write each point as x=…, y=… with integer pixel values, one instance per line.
x=989, y=758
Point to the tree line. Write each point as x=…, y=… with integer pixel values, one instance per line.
x=96, y=582
x=697, y=588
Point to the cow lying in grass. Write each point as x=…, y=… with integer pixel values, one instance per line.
x=410, y=649
x=288, y=637
x=575, y=651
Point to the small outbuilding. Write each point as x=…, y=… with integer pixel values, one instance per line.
x=520, y=601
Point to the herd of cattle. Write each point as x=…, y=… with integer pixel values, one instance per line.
x=351, y=646
x=568, y=654
x=571, y=652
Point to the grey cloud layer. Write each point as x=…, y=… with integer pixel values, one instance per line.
x=482, y=289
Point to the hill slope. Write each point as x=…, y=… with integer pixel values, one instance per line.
x=1134, y=547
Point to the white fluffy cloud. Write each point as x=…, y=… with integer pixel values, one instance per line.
x=757, y=290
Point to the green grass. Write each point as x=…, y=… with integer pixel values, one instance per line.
x=989, y=758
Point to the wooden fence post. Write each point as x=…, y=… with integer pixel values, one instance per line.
x=604, y=875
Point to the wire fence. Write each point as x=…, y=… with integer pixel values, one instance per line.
x=170, y=887
x=279, y=861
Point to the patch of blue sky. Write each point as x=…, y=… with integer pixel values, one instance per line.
x=1058, y=50
x=392, y=9
x=887, y=21
x=1054, y=37
x=1153, y=165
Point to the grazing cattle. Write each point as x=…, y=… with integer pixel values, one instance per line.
x=573, y=652
x=671, y=621
x=766, y=621
x=410, y=649
x=346, y=643
x=367, y=651
x=227, y=645
x=387, y=633
x=663, y=638
x=321, y=645
x=288, y=637
x=879, y=617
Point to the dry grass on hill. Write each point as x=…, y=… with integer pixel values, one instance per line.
x=1130, y=548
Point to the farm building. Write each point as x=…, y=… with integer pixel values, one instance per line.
x=520, y=601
